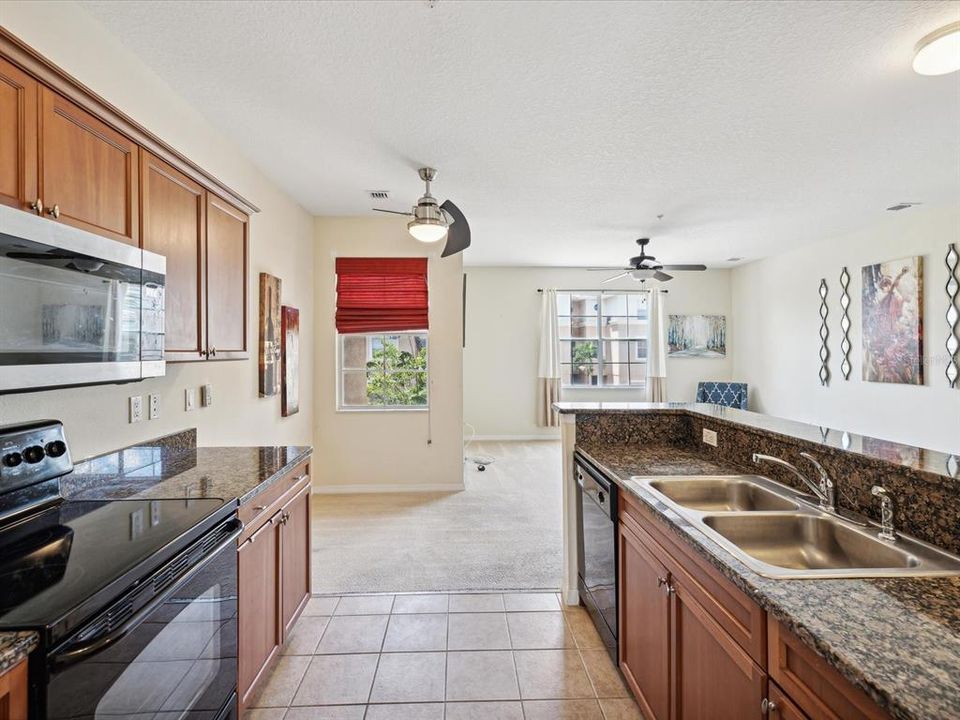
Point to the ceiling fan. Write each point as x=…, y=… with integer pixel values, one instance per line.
x=432, y=222
x=645, y=267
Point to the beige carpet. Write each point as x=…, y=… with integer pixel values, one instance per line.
x=503, y=532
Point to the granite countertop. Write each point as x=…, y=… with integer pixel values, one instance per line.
x=15, y=646
x=228, y=473
x=896, y=638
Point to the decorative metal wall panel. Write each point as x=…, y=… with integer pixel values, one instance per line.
x=824, y=334
x=845, y=346
x=953, y=316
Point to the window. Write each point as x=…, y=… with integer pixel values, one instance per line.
x=383, y=371
x=603, y=338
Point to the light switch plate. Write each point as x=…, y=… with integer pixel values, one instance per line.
x=136, y=408
x=206, y=395
x=710, y=437
x=153, y=408
x=190, y=399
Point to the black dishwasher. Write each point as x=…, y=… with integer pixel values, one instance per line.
x=597, y=549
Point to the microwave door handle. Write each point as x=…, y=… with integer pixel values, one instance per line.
x=74, y=654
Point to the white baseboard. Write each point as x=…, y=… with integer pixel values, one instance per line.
x=480, y=438
x=385, y=488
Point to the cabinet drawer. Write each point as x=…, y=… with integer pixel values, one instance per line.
x=781, y=706
x=730, y=607
x=260, y=508
x=816, y=688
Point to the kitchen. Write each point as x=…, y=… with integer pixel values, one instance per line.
x=175, y=537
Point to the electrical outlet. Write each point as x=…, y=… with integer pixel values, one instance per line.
x=710, y=437
x=153, y=409
x=136, y=408
x=190, y=399
x=206, y=395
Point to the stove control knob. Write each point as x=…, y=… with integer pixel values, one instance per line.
x=11, y=460
x=33, y=454
x=56, y=448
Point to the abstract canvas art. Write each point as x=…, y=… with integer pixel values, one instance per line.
x=700, y=336
x=290, y=361
x=269, y=347
x=893, y=321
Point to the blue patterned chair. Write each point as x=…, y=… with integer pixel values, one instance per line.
x=729, y=394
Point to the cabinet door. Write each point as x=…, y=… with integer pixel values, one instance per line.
x=644, y=635
x=227, y=238
x=88, y=171
x=295, y=558
x=258, y=588
x=13, y=692
x=782, y=707
x=18, y=137
x=713, y=678
x=173, y=215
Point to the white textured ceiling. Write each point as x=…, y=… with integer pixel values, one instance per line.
x=562, y=129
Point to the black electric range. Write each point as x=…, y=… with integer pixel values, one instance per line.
x=134, y=601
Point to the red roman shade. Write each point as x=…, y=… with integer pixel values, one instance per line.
x=381, y=294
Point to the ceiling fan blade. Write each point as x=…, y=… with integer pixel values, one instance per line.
x=687, y=268
x=393, y=212
x=662, y=276
x=458, y=232
x=615, y=277
x=607, y=268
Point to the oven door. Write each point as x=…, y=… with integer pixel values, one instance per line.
x=175, y=657
x=597, y=545
x=75, y=308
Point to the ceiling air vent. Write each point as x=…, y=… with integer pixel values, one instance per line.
x=903, y=206
x=379, y=194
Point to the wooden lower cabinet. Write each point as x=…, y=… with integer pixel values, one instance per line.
x=13, y=692
x=781, y=706
x=273, y=564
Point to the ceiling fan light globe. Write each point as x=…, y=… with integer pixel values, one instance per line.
x=939, y=52
x=426, y=230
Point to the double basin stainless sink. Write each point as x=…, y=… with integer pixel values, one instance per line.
x=780, y=533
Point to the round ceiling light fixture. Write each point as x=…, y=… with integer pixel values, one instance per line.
x=939, y=52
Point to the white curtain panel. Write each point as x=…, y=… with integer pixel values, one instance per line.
x=548, y=374
x=656, y=348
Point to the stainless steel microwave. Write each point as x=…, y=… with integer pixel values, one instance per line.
x=75, y=308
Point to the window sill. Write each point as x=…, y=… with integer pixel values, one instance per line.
x=607, y=388
x=382, y=409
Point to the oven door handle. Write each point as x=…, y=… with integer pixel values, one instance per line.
x=76, y=653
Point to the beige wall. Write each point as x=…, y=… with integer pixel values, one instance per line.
x=281, y=244
x=371, y=450
x=503, y=336
x=776, y=305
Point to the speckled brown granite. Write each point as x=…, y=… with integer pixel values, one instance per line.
x=14, y=647
x=896, y=638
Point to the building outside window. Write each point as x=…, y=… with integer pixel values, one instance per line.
x=383, y=371
x=603, y=338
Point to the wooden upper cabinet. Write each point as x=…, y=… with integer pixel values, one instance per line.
x=88, y=172
x=295, y=558
x=173, y=223
x=227, y=245
x=18, y=137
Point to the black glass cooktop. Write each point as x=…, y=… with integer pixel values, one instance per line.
x=59, y=565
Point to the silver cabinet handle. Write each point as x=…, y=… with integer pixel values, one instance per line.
x=54, y=211
x=37, y=206
x=213, y=352
x=768, y=706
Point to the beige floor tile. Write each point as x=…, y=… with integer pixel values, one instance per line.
x=409, y=678
x=562, y=710
x=484, y=675
x=353, y=634
x=478, y=631
x=283, y=682
x=530, y=602
x=603, y=674
x=337, y=680
x=478, y=602
x=484, y=711
x=539, y=631
x=421, y=603
x=411, y=633
x=407, y=711
x=552, y=675
x=364, y=605
x=620, y=709
x=326, y=712
x=265, y=714
x=321, y=605
x=583, y=629
x=306, y=635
